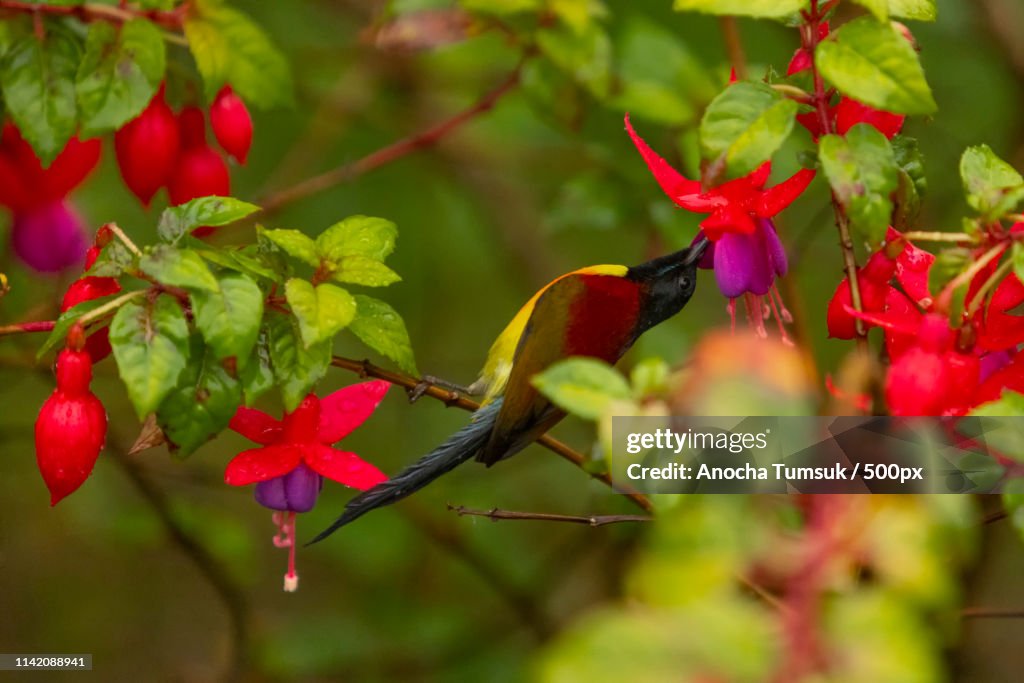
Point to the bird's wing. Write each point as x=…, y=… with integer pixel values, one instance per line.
x=584, y=313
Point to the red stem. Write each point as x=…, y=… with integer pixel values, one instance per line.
x=22, y=328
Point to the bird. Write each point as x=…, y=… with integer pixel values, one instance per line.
x=597, y=312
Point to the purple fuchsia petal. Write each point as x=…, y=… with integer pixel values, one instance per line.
x=343, y=467
x=260, y=464
x=773, y=247
x=50, y=238
x=346, y=409
x=734, y=262
x=296, y=491
x=255, y=425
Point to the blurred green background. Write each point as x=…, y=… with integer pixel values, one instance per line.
x=545, y=183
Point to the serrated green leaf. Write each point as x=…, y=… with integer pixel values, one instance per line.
x=67, y=319
x=322, y=311
x=360, y=270
x=38, y=79
x=913, y=185
x=178, y=268
x=771, y=9
x=229, y=318
x=176, y=221
x=582, y=386
x=241, y=260
x=119, y=74
x=296, y=368
x=380, y=327
x=201, y=405
x=861, y=168
x=872, y=62
x=150, y=342
x=921, y=10
x=257, y=376
x=366, y=236
x=230, y=48
x=747, y=123
x=295, y=244
x=993, y=186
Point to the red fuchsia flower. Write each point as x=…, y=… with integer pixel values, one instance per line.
x=72, y=424
x=93, y=287
x=745, y=249
x=296, y=454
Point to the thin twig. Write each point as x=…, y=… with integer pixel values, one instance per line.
x=395, y=150
x=734, y=46
x=230, y=594
x=125, y=240
x=31, y=326
x=992, y=613
x=496, y=514
x=365, y=368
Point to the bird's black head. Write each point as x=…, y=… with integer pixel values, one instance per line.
x=670, y=282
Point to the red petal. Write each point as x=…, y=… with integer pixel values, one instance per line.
x=671, y=181
x=1010, y=377
x=912, y=267
x=346, y=409
x=343, y=467
x=777, y=198
x=1002, y=330
x=260, y=464
x=760, y=175
x=727, y=220
x=255, y=425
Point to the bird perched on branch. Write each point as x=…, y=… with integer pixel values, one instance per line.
x=597, y=312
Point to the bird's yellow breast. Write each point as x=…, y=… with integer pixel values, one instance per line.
x=502, y=353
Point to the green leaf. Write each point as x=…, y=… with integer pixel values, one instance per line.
x=295, y=244
x=746, y=124
x=243, y=260
x=258, y=374
x=201, y=405
x=873, y=62
x=1004, y=429
x=1017, y=258
x=296, y=368
x=649, y=377
x=586, y=55
x=913, y=185
x=38, y=79
x=582, y=386
x=993, y=186
x=366, y=236
x=176, y=221
x=112, y=260
x=921, y=10
x=879, y=8
x=861, y=168
x=380, y=327
x=501, y=7
x=119, y=74
x=360, y=270
x=230, y=48
x=745, y=8
x=150, y=341
x=229, y=318
x=67, y=319
x=322, y=312
x=178, y=268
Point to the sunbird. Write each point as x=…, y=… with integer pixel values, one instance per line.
x=598, y=312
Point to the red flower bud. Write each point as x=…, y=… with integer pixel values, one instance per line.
x=192, y=127
x=200, y=172
x=71, y=427
x=851, y=112
x=68, y=170
x=147, y=148
x=232, y=125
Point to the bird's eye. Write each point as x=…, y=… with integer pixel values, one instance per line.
x=685, y=283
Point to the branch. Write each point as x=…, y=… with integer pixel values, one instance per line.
x=991, y=613
x=31, y=326
x=169, y=19
x=734, y=46
x=365, y=368
x=494, y=514
x=221, y=582
x=395, y=150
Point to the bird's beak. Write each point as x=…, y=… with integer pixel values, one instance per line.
x=696, y=251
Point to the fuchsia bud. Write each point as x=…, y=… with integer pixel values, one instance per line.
x=72, y=424
x=147, y=148
x=49, y=238
x=231, y=123
x=200, y=171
